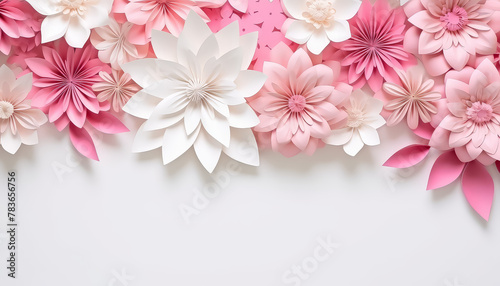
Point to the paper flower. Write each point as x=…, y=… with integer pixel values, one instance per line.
x=62, y=88
x=414, y=96
x=363, y=120
x=268, y=25
x=449, y=32
x=148, y=15
x=317, y=22
x=117, y=88
x=472, y=127
x=18, y=121
x=72, y=19
x=114, y=46
x=194, y=94
x=375, y=50
x=299, y=104
x=17, y=22
x=239, y=5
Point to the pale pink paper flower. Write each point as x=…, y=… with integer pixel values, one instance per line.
x=18, y=121
x=267, y=23
x=375, y=50
x=117, y=88
x=18, y=25
x=114, y=46
x=300, y=103
x=414, y=96
x=472, y=126
x=449, y=33
x=148, y=15
x=62, y=88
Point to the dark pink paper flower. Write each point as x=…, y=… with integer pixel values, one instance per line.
x=18, y=25
x=375, y=49
x=62, y=88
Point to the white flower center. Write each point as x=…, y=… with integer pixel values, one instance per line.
x=6, y=109
x=319, y=13
x=196, y=91
x=73, y=7
x=355, y=118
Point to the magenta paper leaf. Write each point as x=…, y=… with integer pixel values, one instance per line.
x=106, y=123
x=497, y=163
x=408, y=156
x=478, y=188
x=424, y=130
x=446, y=169
x=83, y=142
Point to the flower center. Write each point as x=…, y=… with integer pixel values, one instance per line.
x=6, y=109
x=454, y=19
x=319, y=13
x=73, y=7
x=355, y=118
x=196, y=92
x=297, y=103
x=480, y=112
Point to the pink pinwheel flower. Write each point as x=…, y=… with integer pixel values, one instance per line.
x=148, y=15
x=414, y=96
x=117, y=88
x=300, y=102
x=18, y=24
x=62, y=88
x=449, y=33
x=114, y=46
x=472, y=126
x=375, y=50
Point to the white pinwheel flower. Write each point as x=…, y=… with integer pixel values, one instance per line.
x=18, y=121
x=363, y=120
x=194, y=94
x=71, y=19
x=319, y=22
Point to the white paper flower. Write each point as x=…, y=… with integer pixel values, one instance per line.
x=72, y=19
x=318, y=22
x=194, y=94
x=363, y=119
x=18, y=121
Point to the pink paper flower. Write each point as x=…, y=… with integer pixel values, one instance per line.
x=267, y=23
x=148, y=15
x=449, y=33
x=114, y=46
x=414, y=96
x=472, y=127
x=300, y=102
x=375, y=50
x=117, y=88
x=18, y=24
x=240, y=5
x=18, y=121
x=62, y=88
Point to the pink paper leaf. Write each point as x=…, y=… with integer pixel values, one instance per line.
x=497, y=163
x=424, y=130
x=478, y=188
x=446, y=169
x=83, y=142
x=106, y=123
x=408, y=156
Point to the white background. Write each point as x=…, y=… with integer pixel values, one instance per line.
x=98, y=219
